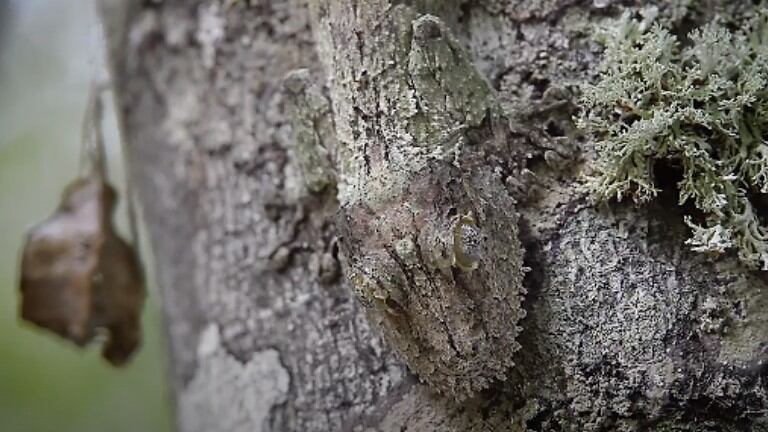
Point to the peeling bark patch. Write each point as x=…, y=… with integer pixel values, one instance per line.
x=227, y=395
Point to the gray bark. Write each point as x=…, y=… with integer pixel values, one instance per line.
x=625, y=329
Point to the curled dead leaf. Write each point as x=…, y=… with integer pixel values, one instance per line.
x=78, y=277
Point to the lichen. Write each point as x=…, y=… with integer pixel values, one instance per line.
x=697, y=105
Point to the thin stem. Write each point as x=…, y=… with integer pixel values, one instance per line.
x=93, y=160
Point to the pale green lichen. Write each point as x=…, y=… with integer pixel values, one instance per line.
x=700, y=106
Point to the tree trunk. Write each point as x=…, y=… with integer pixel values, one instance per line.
x=624, y=328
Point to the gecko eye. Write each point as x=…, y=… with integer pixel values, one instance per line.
x=427, y=28
x=393, y=306
x=467, y=243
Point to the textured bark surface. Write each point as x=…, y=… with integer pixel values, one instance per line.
x=625, y=329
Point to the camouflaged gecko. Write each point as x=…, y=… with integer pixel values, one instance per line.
x=428, y=232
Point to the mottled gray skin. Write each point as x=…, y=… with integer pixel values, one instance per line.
x=428, y=231
x=625, y=330
x=452, y=318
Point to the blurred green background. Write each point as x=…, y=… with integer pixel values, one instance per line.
x=49, y=51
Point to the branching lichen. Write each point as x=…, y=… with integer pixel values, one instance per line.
x=699, y=106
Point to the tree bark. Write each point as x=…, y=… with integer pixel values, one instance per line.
x=625, y=329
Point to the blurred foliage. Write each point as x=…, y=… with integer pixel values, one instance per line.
x=50, y=50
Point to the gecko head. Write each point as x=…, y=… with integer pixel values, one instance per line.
x=439, y=267
x=426, y=28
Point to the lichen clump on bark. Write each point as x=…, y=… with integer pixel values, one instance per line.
x=699, y=106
